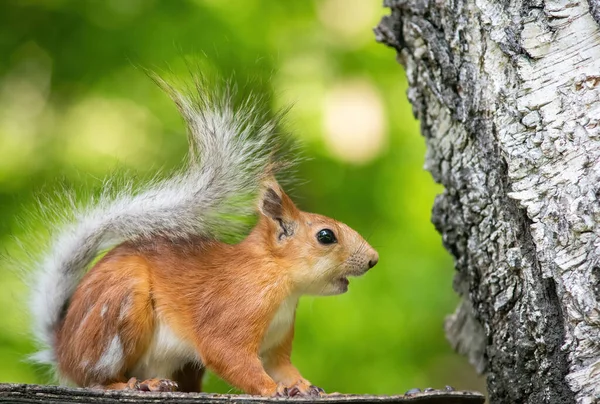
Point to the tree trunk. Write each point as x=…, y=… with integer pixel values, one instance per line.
x=508, y=95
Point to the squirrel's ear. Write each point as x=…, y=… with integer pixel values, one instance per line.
x=275, y=205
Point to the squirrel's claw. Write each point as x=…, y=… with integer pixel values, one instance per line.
x=293, y=391
x=298, y=390
x=157, y=385
x=133, y=384
x=281, y=391
x=315, y=391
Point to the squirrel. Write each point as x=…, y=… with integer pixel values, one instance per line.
x=171, y=298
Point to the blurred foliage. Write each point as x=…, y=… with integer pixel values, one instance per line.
x=74, y=106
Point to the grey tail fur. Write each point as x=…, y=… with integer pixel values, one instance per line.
x=232, y=148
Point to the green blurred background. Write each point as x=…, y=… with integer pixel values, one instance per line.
x=74, y=107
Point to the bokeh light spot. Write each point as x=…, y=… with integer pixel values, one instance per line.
x=98, y=128
x=347, y=19
x=354, y=122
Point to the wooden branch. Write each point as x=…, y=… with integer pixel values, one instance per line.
x=31, y=393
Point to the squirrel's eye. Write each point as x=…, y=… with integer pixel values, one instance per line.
x=326, y=236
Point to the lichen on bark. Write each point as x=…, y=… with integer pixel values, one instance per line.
x=508, y=96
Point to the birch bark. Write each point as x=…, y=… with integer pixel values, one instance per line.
x=508, y=96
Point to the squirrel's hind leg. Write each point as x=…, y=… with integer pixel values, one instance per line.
x=108, y=325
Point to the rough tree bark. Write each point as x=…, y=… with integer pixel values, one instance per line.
x=29, y=393
x=508, y=95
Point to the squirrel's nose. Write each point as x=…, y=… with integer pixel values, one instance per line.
x=373, y=262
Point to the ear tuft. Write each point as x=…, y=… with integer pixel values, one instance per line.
x=279, y=208
x=272, y=204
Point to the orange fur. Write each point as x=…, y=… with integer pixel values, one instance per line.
x=228, y=308
x=279, y=366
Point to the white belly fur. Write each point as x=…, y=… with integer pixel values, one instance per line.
x=280, y=324
x=166, y=354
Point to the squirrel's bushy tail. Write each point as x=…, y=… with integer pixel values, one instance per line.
x=232, y=147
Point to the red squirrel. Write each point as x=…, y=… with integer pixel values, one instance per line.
x=170, y=298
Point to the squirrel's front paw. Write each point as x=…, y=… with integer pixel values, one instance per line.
x=302, y=388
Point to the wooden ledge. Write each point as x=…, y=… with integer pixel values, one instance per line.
x=32, y=393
